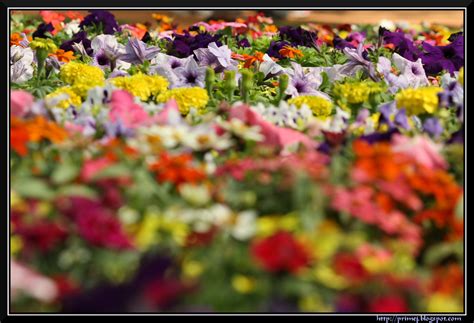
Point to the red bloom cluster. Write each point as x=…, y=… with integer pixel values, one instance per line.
x=177, y=169
x=281, y=252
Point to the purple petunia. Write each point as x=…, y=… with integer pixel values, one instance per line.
x=403, y=45
x=275, y=47
x=298, y=36
x=80, y=37
x=433, y=127
x=184, y=45
x=42, y=30
x=216, y=57
x=439, y=58
x=103, y=18
x=137, y=52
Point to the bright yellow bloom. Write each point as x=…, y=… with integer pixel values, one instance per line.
x=187, y=98
x=314, y=303
x=70, y=97
x=146, y=235
x=269, y=224
x=143, y=86
x=243, y=284
x=43, y=43
x=355, y=93
x=320, y=106
x=418, y=101
x=81, y=77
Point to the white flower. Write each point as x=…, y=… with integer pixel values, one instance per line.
x=21, y=60
x=197, y=195
x=240, y=129
x=245, y=225
x=72, y=27
x=269, y=66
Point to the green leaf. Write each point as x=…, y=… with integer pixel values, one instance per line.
x=436, y=253
x=65, y=172
x=77, y=190
x=29, y=187
x=112, y=171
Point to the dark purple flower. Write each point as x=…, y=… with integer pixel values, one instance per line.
x=42, y=30
x=340, y=43
x=403, y=45
x=80, y=37
x=379, y=136
x=244, y=42
x=184, y=45
x=146, y=38
x=101, y=17
x=433, y=127
x=439, y=58
x=275, y=47
x=297, y=36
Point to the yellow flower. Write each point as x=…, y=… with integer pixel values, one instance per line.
x=70, y=97
x=320, y=106
x=243, y=284
x=192, y=269
x=461, y=76
x=43, y=43
x=146, y=234
x=81, y=77
x=444, y=303
x=325, y=274
x=16, y=243
x=187, y=98
x=267, y=225
x=355, y=93
x=143, y=86
x=418, y=101
x=314, y=303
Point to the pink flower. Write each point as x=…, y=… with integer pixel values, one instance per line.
x=422, y=149
x=169, y=113
x=220, y=25
x=92, y=167
x=127, y=111
x=20, y=103
x=31, y=283
x=274, y=135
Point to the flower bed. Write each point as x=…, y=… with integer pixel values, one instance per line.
x=235, y=166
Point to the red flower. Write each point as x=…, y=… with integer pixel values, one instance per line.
x=388, y=304
x=280, y=252
x=347, y=265
x=42, y=235
x=177, y=169
x=162, y=293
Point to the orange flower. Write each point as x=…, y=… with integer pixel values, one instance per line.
x=40, y=128
x=63, y=56
x=290, y=52
x=15, y=39
x=53, y=17
x=176, y=169
x=270, y=29
x=19, y=136
x=249, y=59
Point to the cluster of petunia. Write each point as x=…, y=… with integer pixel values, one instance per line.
x=235, y=166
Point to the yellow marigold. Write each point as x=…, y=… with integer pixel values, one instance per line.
x=81, y=77
x=355, y=93
x=320, y=106
x=70, y=97
x=141, y=85
x=243, y=284
x=418, y=101
x=43, y=43
x=187, y=98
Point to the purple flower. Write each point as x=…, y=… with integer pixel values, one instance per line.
x=107, y=50
x=218, y=58
x=191, y=74
x=433, y=127
x=274, y=48
x=117, y=130
x=401, y=119
x=101, y=17
x=380, y=136
x=297, y=36
x=42, y=30
x=403, y=45
x=439, y=58
x=302, y=83
x=80, y=37
x=184, y=45
x=166, y=65
x=457, y=137
x=340, y=43
x=357, y=60
x=244, y=42
x=137, y=52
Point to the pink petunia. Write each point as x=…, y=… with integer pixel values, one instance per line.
x=420, y=148
x=274, y=135
x=124, y=109
x=20, y=103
